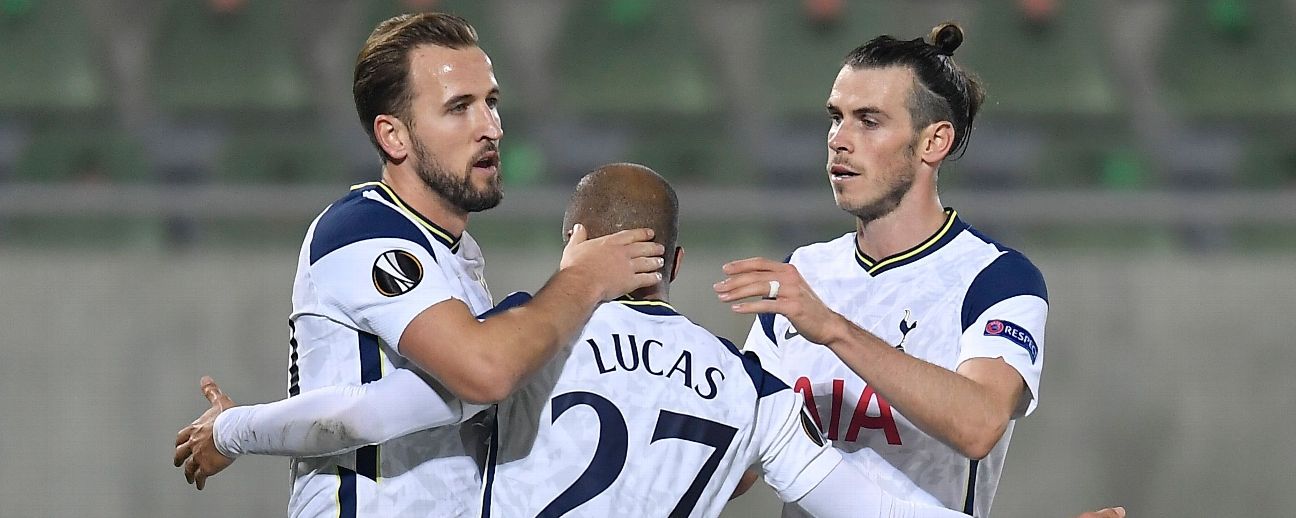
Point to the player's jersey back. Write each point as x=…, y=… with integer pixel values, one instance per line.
x=647, y=414
x=956, y=296
x=368, y=266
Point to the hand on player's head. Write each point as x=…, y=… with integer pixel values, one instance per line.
x=196, y=444
x=615, y=264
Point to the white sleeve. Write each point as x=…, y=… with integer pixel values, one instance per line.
x=333, y=420
x=379, y=285
x=1012, y=329
x=849, y=491
x=794, y=456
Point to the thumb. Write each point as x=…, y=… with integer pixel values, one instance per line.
x=211, y=390
x=578, y=234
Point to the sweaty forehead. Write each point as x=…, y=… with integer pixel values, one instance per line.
x=885, y=88
x=445, y=73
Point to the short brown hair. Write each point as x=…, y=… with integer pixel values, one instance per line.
x=381, y=82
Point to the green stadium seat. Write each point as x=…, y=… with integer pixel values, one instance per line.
x=72, y=154
x=90, y=156
x=279, y=157
x=1231, y=59
x=47, y=63
x=636, y=58
x=244, y=63
x=802, y=59
x=1269, y=161
x=1053, y=73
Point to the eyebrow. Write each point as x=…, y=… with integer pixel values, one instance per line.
x=468, y=97
x=858, y=112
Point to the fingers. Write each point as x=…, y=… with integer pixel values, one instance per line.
x=646, y=249
x=1110, y=512
x=644, y=280
x=646, y=264
x=183, y=436
x=741, y=286
x=751, y=265
x=759, y=306
x=191, y=469
x=626, y=237
x=183, y=451
x=200, y=479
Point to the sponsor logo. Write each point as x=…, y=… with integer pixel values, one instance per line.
x=790, y=333
x=811, y=430
x=1015, y=334
x=396, y=272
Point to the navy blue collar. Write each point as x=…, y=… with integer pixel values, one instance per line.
x=948, y=231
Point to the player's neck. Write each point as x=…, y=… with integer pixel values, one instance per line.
x=916, y=218
x=424, y=200
x=659, y=292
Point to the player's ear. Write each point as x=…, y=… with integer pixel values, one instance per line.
x=936, y=141
x=679, y=258
x=392, y=135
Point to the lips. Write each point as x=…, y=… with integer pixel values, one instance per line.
x=487, y=160
x=841, y=172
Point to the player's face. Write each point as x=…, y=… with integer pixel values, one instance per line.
x=871, y=142
x=455, y=128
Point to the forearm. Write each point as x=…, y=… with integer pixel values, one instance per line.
x=337, y=419
x=867, y=499
x=942, y=403
x=484, y=361
x=521, y=340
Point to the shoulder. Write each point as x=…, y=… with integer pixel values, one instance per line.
x=1009, y=274
x=356, y=218
x=765, y=383
x=819, y=253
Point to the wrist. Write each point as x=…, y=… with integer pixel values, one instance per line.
x=575, y=282
x=839, y=332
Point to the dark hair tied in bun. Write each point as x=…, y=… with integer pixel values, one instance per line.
x=946, y=37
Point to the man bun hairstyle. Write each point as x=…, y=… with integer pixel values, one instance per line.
x=946, y=37
x=943, y=91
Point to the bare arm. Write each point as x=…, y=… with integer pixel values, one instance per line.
x=485, y=361
x=967, y=410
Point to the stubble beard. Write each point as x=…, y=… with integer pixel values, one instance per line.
x=897, y=186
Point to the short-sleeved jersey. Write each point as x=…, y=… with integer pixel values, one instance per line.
x=648, y=414
x=956, y=296
x=368, y=266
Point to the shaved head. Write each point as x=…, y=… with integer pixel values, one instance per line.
x=623, y=196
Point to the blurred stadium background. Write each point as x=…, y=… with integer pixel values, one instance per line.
x=160, y=159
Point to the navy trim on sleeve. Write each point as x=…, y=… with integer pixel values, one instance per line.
x=1010, y=275
x=764, y=382
x=767, y=324
x=355, y=218
x=513, y=300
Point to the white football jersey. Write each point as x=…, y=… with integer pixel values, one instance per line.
x=956, y=296
x=368, y=266
x=647, y=414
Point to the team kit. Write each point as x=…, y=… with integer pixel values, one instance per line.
x=883, y=373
